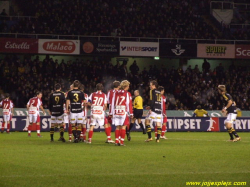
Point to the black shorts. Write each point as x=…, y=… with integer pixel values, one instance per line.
x=138, y=113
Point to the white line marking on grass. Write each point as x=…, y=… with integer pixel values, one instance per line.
x=121, y=174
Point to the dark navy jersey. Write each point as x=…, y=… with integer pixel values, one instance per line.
x=76, y=98
x=56, y=103
x=227, y=97
x=155, y=101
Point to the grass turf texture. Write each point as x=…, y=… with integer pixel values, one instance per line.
x=183, y=157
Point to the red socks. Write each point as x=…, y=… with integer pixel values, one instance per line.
x=90, y=135
x=108, y=133
x=123, y=134
x=8, y=127
x=117, y=134
x=163, y=130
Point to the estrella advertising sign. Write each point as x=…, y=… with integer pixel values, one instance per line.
x=139, y=49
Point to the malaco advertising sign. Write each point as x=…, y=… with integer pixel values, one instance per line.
x=16, y=45
x=67, y=47
x=215, y=51
x=242, y=51
x=139, y=49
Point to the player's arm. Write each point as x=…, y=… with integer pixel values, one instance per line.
x=229, y=103
x=129, y=105
x=206, y=113
x=12, y=108
x=67, y=105
x=41, y=107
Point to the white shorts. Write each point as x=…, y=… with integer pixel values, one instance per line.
x=97, y=118
x=65, y=118
x=33, y=118
x=57, y=119
x=118, y=120
x=76, y=118
x=231, y=117
x=6, y=118
x=155, y=117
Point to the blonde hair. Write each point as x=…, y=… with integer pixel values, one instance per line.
x=222, y=88
x=124, y=84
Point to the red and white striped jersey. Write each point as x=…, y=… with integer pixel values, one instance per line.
x=83, y=105
x=7, y=105
x=34, y=105
x=163, y=105
x=121, y=103
x=98, y=100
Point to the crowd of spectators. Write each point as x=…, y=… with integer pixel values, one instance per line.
x=141, y=18
x=184, y=89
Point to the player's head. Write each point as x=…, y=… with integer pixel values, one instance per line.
x=57, y=86
x=161, y=88
x=82, y=87
x=222, y=89
x=153, y=84
x=199, y=107
x=136, y=92
x=76, y=84
x=99, y=87
x=39, y=94
x=124, y=85
x=116, y=84
x=7, y=95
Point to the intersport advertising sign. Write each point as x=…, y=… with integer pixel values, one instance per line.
x=215, y=51
x=139, y=49
x=242, y=51
x=68, y=47
x=18, y=45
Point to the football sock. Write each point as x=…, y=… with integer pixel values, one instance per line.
x=131, y=126
x=117, y=134
x=158, y=133
x=38, y=130
x=84, y=133
x=29, y=129
x=8, y=127
x=123, y=133
x=148, y=131
x=163, y=130
x=74, y=131
x=110, y=129
x=234, y=132
x=230, y=133
x=61, y=131
x=155, y=131
x=142, y=127
x=70, y=131
x=52, y=130
x=108, y=133
x=90, y=135
x=79, y=130
x=3, y=124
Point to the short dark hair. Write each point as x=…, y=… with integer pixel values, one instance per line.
x=57, y=86
x=76, y=84
x=161, y=88
x=199, y=107
x=38, y=92
x=99, y=86
x=116, y=84
x=82, y=87
x=154, y=82
x=7, y=95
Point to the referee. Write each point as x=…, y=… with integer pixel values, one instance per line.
x=138, y=111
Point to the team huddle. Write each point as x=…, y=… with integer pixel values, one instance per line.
x=72, y=108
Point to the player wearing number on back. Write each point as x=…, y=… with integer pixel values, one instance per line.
x=75, y=98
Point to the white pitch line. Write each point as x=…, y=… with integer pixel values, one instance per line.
x=122, y=174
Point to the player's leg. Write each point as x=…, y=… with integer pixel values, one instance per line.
x=3, y=124
x=129, y=126
x=60, y=122
x=164, y=127
x=229, y=125
x=123, y=134
x=148, y=128
x=31, y=121
x=91, y=131
x=117, y=122
x=141, y=125
x=38, y=126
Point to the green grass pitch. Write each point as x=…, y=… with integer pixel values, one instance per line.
x=183, y=157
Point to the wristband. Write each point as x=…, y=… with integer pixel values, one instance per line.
x=225, y=108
